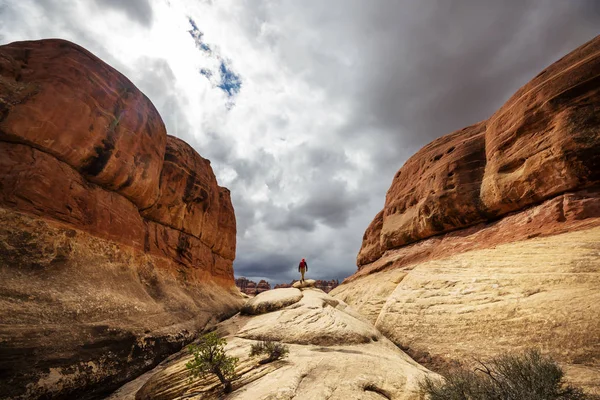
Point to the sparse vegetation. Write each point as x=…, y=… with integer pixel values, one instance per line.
x=210, y=358
x=527, y=376
x=275, y=351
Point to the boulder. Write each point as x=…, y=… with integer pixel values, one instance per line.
x=116, y=243
x=271, y=300
x=304, y=284
x=314, y=318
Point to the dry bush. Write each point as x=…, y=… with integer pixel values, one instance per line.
x=275, y=351
x=527, y=376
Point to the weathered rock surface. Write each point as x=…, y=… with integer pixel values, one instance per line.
x=537, y=293
x=543, y=142
x=116, y=243
x=436, y=191
x=333, y=353
x=271, y=300
x=489, y=239
x=304, y=284
x=61, y=99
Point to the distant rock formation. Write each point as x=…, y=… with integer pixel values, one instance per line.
x=243, y=284
x=488, y=240
x=326, y=286
x=116, y=243
x=262, y=286
x=251, y=288
x=333, y=353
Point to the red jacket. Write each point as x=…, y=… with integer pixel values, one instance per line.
x=304, y=265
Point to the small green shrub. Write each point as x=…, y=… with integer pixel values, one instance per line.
x=527, y=376
x=275, y=351
x=210, y=358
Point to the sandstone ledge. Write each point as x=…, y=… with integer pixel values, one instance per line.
x=565, y=213
x=271, y=300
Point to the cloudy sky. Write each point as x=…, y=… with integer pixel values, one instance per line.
x=306, y=109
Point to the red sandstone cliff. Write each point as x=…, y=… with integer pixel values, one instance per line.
x=116, y=243
x=542, y=143
x=488, y=240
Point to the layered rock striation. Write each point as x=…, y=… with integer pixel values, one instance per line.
x=488, y=239
x=542, y=143
x=116, y=243
x=333, y=354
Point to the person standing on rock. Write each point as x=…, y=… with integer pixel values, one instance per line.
x=302, y=268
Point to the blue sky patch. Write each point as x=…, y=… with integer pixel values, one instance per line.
x=197, y=34
x=224, y=77
x=230, y=81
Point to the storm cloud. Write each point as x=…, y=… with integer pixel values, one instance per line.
x=307, y=109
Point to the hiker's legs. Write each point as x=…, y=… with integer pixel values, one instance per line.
x=302, y=272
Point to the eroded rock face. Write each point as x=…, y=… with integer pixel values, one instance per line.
x=116, y=243
x=61, y=99
x=488, y=242
x=437, y=190
x=333, y=353
x=543, y=142
x=262, y=286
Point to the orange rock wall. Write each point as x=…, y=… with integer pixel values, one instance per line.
x=63, y=100
x=543, y=142
x=116, y=242
x=82, y=145
x=545, y=139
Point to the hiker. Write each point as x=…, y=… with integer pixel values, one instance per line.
x=302, y=268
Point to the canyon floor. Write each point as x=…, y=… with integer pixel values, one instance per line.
x=334, y=353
